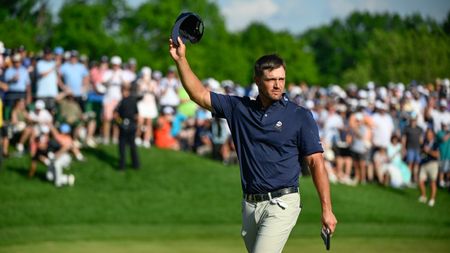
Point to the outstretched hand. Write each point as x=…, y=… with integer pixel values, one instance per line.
x=177, y=52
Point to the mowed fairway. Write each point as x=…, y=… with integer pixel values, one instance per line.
x=179, y=202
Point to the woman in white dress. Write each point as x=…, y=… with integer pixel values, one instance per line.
x=147, y=108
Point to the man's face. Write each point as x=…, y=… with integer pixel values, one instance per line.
x=271, y=83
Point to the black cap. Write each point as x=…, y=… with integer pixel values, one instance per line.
x=47, y=50
x=188, y=26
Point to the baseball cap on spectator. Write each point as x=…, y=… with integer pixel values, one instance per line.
x=146, y=71
x=362, y=94
x=212, y=83
x=67, y=55
x=21, y=48
x=83, y=58
x=446, y=82
x=380, y=105
x=168, y=110
x=309, y=104
x=443, y=103
x=116, y=60
x=47, y=50
x=132, y=61
x=157, y=75
x=413, y=115
x=40, y=105
x=58, y=51
x=370, y=85
x=172, y=69
x=16, y=58
x=73, y=53
x=188, y=26
x=104, y=58
x=65, y=128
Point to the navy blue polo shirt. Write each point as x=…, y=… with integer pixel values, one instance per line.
x=269, y=142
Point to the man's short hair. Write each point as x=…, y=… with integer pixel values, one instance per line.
x=268, y=62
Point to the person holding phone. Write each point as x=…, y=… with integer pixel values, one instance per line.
x=271, y=135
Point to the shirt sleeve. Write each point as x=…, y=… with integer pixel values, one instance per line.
x=308, y=138
x=223, y=105
x=9, y=74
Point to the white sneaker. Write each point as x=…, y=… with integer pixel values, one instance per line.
x=115, y=141
x=146, y=144
x=19, y=147
x=423, y=199
x=138, y=141
x=70, y=180
x=431, y=202
x=79, y=157
x=91, y=143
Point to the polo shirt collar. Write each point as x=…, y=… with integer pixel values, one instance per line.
x=283, y=101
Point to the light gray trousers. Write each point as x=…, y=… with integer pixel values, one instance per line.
x=266, y=225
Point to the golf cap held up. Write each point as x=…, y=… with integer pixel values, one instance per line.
x=188, y=26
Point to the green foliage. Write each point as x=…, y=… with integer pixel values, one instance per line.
x=361, y=47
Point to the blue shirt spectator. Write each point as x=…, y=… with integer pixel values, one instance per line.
x=17, y=79
x=74, y=74
x=47, y=83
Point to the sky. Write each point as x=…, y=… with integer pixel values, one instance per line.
x=297, y=16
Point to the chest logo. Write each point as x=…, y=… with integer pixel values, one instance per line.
x=279, y=125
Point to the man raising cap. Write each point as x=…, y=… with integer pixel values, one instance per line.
x=270, y=133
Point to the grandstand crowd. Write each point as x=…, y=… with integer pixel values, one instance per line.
x=57, y=102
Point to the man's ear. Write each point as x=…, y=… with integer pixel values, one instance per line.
x=257, y=80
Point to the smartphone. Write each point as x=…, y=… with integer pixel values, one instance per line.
x=325, y=234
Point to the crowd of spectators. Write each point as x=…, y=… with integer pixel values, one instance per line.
x=57, y=102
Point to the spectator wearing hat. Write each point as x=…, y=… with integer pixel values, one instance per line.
x=129, y=73
x=20, y=120
x=411, y=141
x=18, y=81
x=97, y=89
x=163, y=136
x=76, y=79
x=441, y=115
x=125, y=115
x=147, y=107
x=113, y=79
x=47, y=80
x=54, y=154
x=429, y=167
x=168, y=87
x=359, y=136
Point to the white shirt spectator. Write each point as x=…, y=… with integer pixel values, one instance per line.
x=169, y=92
x=113, y=80
x=383, y=127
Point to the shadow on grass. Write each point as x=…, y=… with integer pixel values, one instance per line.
x=103, y=156
x=23, y=171
x=398, y=191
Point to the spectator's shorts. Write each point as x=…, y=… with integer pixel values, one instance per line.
x=429, y=170
x=359, y=156
x=108, y=109
x=445, y=166
x=413, y=156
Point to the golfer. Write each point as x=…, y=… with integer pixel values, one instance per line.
x=271, y=135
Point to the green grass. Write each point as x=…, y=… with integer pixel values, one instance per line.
x=179, y=202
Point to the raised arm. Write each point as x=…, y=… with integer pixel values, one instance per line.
x=194, y=87
x=320, y=178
